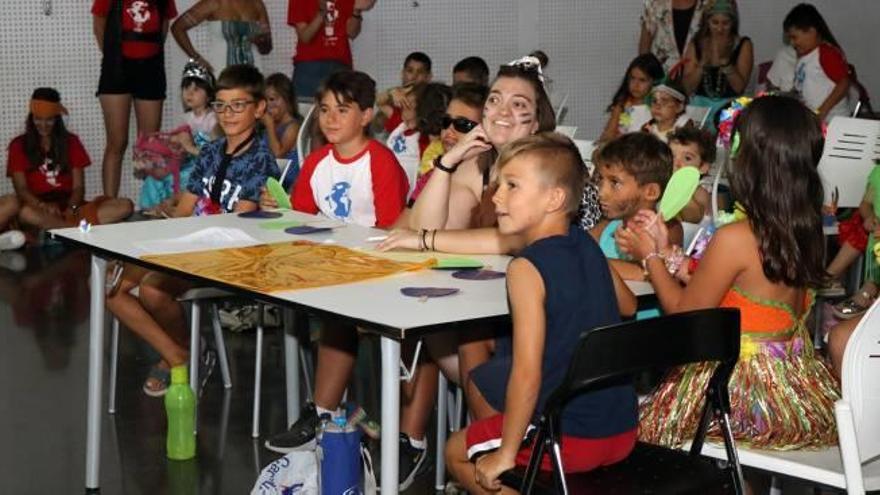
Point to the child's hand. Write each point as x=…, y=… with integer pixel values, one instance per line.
x=471, y=145
x=654, y=225
x=489, y=468
x=183, y=139
x=398, y=96
x=267, y=202
x=869, y=223
x=400, y=238
x=267, y=121
x=637, y=242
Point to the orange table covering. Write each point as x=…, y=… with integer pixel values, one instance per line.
x=284, y=266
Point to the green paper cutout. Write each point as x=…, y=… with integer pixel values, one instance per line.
x=457, y=263
x=679, y=191
x=277, y=191
x=280, y=224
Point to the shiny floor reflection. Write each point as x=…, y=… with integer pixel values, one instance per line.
x=44, y=361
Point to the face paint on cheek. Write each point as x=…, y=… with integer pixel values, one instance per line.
x=525, y=118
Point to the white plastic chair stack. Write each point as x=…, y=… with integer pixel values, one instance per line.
x=855, y=464
x=851, y=148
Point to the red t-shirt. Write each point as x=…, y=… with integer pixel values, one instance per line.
x=393, y=120
x=833, y=62
x=368, y=189
x=139, y=16
x=331, y=40
x=42, y=180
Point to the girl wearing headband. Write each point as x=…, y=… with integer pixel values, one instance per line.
x=668, y=104
x=46, y=165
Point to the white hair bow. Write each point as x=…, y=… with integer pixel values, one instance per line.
x=529, y=63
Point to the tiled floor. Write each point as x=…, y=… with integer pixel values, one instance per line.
x=43, y=363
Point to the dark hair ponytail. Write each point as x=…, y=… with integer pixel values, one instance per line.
x=804, y=16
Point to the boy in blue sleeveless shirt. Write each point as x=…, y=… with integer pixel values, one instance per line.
x=558, y=286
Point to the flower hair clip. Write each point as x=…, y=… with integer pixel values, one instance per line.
x=727, y=119
x=529, y=63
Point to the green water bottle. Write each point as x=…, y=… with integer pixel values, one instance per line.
x=180, y=405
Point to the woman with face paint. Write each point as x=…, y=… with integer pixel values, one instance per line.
x=459, y=193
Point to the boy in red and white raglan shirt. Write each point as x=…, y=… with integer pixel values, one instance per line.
x=353, y=179
x=821, y=75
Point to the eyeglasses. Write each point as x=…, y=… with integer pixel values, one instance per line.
x=237, y=106
x=460, y=124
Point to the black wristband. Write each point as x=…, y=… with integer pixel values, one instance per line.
x=440, y=166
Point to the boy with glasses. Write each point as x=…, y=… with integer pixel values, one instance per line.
x=226, y=178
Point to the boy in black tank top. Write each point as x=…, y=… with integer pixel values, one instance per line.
x=558, y=286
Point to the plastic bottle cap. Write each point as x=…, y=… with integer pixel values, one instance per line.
x=179, y=375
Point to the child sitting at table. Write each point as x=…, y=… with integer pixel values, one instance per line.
x=226, y=178
x=632, y=172
x=559, y=285
x=668, y=104
x=692, y=147
x=766, y=264
x=47, y=164
x=407, y=141
x=353, y=179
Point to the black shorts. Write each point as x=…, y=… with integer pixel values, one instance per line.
x=144, y=79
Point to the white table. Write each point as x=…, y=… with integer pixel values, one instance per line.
x=375, y=305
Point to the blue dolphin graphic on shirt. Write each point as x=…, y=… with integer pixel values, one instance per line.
x=339, y=200
x=399, y=144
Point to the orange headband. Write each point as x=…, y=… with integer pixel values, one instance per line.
x=43, y=109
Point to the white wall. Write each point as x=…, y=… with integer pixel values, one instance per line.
x=589, y=42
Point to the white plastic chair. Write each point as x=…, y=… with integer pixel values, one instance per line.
x=303, y=139
x=560, y=108
x=855, y=464
x=586, y=147
x=697, y=114
x=567, y=130
x=851, y=148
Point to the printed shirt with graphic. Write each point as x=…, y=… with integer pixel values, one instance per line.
x=368, y=189
x=43, y=180
x=657, y=19
x=331, y=40
x=408, y=146
x=246, y=175
x=139, y=16
x=817, y=73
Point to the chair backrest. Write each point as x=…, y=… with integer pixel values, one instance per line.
x=284, y=165
x=586, y=147
x=304, y=107
x=567, y=130
x=608, y=353
x=860, y=380
x=721, y=158
x=763, y=70
x=698, y=114
x=559, y=107
x=851, y=148
x=303, y=140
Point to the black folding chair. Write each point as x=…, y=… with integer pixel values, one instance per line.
x=607, y=354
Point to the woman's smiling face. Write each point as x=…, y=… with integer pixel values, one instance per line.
x=510, y=112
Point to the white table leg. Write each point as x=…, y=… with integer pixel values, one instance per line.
x=291, y=365
x=390, y=350
x=440, y=464
x=96, y=371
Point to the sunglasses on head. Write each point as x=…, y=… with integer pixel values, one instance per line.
x=460, y=124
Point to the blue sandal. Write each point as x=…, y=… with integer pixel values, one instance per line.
x=162, y=377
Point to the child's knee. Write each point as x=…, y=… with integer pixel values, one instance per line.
x=153, y=297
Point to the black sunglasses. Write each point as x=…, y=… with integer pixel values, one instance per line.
x=460, y=124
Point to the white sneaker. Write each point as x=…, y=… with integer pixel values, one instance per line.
x=10, y=240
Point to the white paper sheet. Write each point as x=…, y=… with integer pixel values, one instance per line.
x=200, y=240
